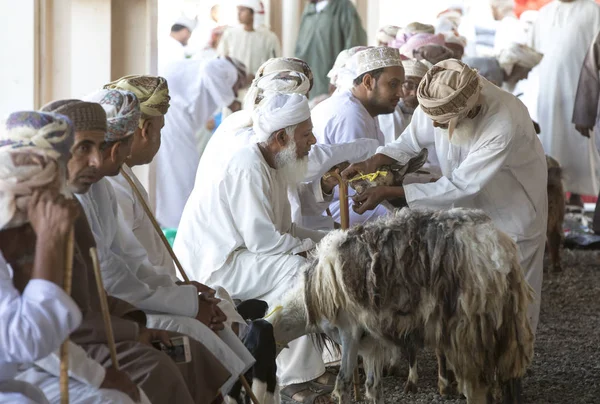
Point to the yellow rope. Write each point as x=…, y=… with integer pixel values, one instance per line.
x=275, y=310
x=369, y=177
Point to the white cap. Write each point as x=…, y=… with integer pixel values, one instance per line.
x=413, y=67
x=376, y=58
x=187, y=22
x=253, y=4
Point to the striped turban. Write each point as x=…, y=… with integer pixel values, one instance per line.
x=50, y=131
x=285, y=65
x=289, y=82
x=122, y=112
x=448, y=92
x=151, y=91
x=34, y=150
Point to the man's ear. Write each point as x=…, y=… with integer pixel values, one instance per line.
x=114, y=151
x=368, y=82
x=281, y=137
x=146, y=129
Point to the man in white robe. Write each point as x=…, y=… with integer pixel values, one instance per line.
x=251, y=46
x=287, y=76
x=490, y=156
x=36, y=315
x=352, y=114
x=197, y=91
x=127, y=273
x=240, y=234
x=564, y=32
x=172, y=48
x=393, y=125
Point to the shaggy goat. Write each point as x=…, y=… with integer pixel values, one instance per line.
x=450, y=276
x=556, y=212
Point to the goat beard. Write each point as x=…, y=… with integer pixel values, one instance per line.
x=290, y=169
x=463, y=132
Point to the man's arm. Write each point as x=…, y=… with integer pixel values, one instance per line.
x=324, y=156
x=249, y=204
x=588, y=89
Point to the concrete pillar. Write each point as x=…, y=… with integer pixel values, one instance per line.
x=291, y=15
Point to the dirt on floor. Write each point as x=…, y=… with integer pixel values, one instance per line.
x=566, y=367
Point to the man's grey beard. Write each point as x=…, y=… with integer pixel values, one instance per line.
x=290, y=168
x=463, y=132
x=405, y=108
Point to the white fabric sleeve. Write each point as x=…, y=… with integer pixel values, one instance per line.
x=124, y=259
x=324, y=156
x=81, y=367
x=35, y=323
x=467, y=180
x=253, y=215
x=304, y=233
x=418, y=135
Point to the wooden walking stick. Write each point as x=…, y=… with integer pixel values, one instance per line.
x=186, y=280
x=345, y=223
x=64, y=348
x=110, y=337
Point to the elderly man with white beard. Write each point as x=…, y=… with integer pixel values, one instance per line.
x=241, y=235
x=489, y=154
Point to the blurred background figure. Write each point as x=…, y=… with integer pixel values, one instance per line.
x=172, y=48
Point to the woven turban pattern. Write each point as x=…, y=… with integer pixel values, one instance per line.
x=414, y=68
x=53, y=132
x=285, y=65
x=289, y=82
x=85, y=116
x=376, y=58
x=122, y=112
x=448, y=92
x=151, y=91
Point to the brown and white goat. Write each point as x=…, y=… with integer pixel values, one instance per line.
x=450, y=275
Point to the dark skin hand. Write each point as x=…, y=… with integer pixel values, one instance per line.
x=209, y=313
x=329, y=182
x=116, y=380
x=372, y=197
x=147, y=335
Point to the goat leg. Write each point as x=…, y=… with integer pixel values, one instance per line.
x=554, y=243
x=373, y=368
x=410, y=352
x=446, y=379
x=349, y=361
x=512, y=391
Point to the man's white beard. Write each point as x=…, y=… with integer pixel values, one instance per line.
x=291, y=170
x=463, y=132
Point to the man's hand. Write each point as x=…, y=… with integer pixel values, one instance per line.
x=117, y=380
x=369, y=199
x=235, y=106
x=216, y=323
x=357, y=169
x=584, y=130
x=147, y=335
x=328, y=182
x=51, y=213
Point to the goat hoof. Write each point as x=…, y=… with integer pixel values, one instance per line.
x=410, y=388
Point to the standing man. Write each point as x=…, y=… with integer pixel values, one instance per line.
x=564, y=32
x=328, y=27
x=585, y=111
x=490, y=157
x=172, y=48
x=251, y=46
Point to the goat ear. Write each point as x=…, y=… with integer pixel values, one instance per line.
x=416, y=163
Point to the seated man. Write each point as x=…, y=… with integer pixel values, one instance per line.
x=93, y=379
x=490, y=156
x=36, y=315
x=239, y=232
x=127, y=274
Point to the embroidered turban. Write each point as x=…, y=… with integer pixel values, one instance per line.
x=376, y=58
x=85, y=116
x=289, y=82
x=448, y=92
x=122, y=112
x=387, y=34
x=285, y=65
x=151, y=91
x=414, y=68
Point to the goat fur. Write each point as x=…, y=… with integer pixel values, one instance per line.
x=450, y=275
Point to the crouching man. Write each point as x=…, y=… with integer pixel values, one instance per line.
x=490, y=156
x=239, y=232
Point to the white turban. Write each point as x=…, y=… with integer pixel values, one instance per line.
x=517, y=54
x=23, y=170
x=344, y=70
x=187, y=22
x=279, y=111
x=286, y=82
x=448, y=92
x=413, y=67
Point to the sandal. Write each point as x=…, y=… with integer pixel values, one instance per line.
x=311, y=392
x=330, y=377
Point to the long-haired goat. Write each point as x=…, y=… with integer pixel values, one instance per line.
x=450, y=275
x=556, y=213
